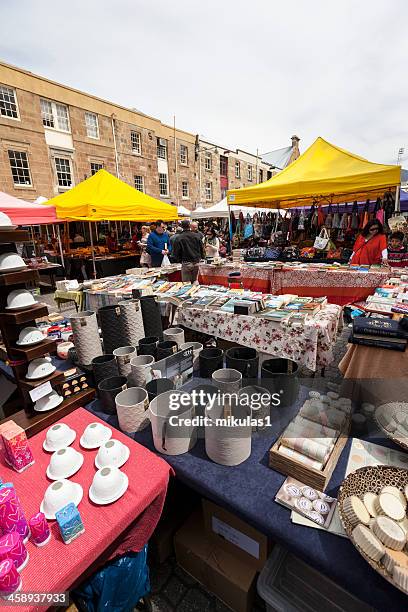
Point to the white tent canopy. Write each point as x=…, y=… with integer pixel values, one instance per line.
x=221, y=211
x=183, y=211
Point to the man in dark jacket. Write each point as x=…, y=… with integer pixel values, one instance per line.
x=158, y=244
x=188, y=249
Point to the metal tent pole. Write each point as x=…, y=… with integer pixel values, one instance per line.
x=60, y=247
x=92, y=249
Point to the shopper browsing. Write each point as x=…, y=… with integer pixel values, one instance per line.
x=371, y=245
x=211, y=243
x=158, y=244
x=188, y=249
x=194, y=228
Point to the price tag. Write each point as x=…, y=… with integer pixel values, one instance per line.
x=40, y=391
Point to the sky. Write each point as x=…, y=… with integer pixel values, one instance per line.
x=247, y=74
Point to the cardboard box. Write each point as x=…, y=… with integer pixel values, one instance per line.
x=235, y=535
x=230, y=579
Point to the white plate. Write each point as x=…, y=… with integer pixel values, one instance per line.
x=77, y=500
x=30, y=343
x=68, y=443
x=57, y=403
x=52, y=369
x=108, y=434
x=105, y=502
x=73, y=471
x=20, y=307
x=125, y=458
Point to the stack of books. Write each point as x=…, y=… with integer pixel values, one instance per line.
x=382, y=333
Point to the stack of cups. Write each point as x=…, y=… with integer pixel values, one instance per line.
x=10, y=579
x=12, y=517
x=40, y=530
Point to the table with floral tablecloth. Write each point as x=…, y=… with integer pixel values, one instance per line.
x=309, y=344
x=341, y=286
x=253, y=278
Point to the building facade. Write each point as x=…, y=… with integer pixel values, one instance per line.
x=52, y=137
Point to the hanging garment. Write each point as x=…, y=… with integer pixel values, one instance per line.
x=329, y=218
x=380, y=215
x=301, y=221
x=248, y=227
x=257, y=226
x=336, y=218
x=320, y=217
x=354, y=223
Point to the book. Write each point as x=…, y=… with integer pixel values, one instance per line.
x=378, y=327
x=399, y=307
x=379, y=342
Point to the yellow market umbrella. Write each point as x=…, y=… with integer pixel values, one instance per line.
x=103, y=197
x=324, y=173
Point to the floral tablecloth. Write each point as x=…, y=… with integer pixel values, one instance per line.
x=340, y=286
x=310, y=344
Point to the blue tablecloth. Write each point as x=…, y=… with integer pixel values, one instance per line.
x=248, y=490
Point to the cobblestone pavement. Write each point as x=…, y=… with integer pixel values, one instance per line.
x=173, y=590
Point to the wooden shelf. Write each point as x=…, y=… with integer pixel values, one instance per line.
x=14, y=236
x=48, y=345
x=24, y=316
x=42, y=420
x=17, y=278
x=32, y=384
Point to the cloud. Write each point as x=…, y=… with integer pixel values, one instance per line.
x=247, y=73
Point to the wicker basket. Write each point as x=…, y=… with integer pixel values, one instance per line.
x=382, y=414
x=370, y=479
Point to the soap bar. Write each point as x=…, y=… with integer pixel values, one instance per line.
x=355, y=511
x=396, y=492
x=368, y=542
x=389, y=532
x=394, y=557
x=369, y=502
x=70, y=522
x=400, y=575
x=388, y=504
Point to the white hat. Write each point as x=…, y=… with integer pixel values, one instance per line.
x=11, y=262
x=58, y=495
x=48, y=402
x=40, y=368
x=29, y=336
x=5, y=222
x=18, y=299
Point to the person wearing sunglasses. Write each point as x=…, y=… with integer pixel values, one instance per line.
x=370, y=247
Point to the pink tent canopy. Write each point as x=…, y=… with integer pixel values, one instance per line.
x=26, y=213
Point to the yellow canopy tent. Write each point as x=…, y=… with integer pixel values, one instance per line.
x=325, y=174
x=103, y=197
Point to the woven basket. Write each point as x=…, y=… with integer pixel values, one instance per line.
x=370, y=479
x=86, y=336
x=112, y=331
x=131, y=406
x=131, y=322
x=152, y=321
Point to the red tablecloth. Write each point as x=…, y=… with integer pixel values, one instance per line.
x=254, y=279
x=116, y=528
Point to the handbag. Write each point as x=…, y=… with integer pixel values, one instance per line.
x=322, y=240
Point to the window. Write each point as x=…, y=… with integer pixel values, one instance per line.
x=184, y=189
x=223, y=166
x=92, y=127
x=208, y=192
x=8, y=102
x=20, y=169
x=136, y=142
x=63, y=169
x=162, y=148
x=261, y=176
x=95, y=167
x=208, y=161
x=237, y=169
x=183, y=155
x=139, y=182
x=163, y=187
x=55, y=115
x=249, y=172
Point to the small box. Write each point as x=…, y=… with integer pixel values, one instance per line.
x=70, y=522
x=230, y=579
x=16, y=449
x=235, y=535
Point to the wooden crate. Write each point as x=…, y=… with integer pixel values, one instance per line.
x=318, y=479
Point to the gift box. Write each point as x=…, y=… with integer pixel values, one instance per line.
x=16, y=449
x=70, y=522
x=12, y=517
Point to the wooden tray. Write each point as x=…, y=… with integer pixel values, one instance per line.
x=391, y=435
x=318, y=479
x=371, y=479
